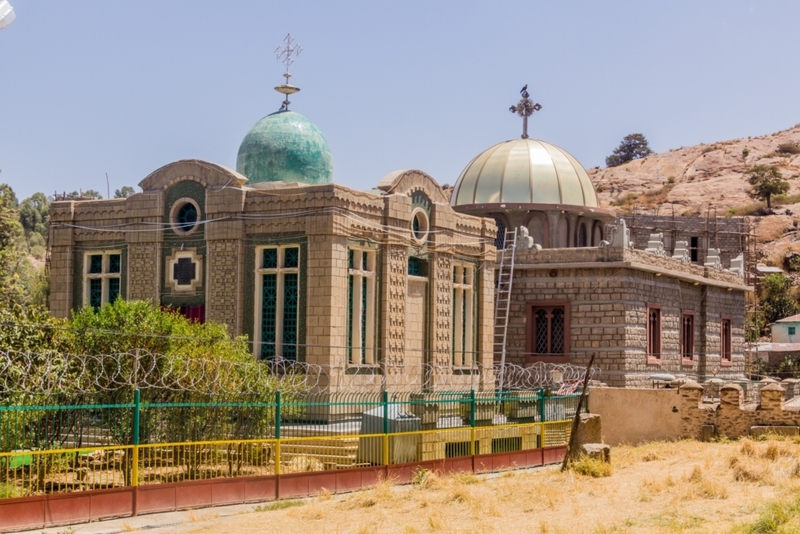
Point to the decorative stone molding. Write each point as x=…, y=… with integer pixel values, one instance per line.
x=682, y=252
x=655, y=245
x=184, y=271
x=737, y=265
x=619, y=236
x=713, y=260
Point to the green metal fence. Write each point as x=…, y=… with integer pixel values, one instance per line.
x=81, y=443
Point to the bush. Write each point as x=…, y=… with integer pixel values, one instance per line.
x=591, y=467
x=788, y=148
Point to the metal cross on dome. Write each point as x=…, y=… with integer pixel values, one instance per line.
x=525, y=108
x=287, y=52
x=284, y=54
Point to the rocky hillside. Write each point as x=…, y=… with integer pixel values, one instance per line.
x=692, y=180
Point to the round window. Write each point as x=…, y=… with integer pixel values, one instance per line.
x=185, y=216
x=419, y=225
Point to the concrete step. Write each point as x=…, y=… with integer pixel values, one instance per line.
x=322, y=442
x=310, y=450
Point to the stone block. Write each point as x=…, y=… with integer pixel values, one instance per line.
x=589, y=429
x=757, y=431
x=708, y=432
x=596, y=451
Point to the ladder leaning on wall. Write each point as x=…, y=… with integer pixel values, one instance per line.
x=505, y=278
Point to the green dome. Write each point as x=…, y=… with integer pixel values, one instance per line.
x=285, y=147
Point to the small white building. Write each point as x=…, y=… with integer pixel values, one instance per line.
x=786, y=330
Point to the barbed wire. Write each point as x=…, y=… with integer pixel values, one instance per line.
x=55, y=373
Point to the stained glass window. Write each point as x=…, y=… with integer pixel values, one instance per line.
x=290, y=305
x=96, y=264
x=96, y=292
x=463, y=322
x=187, y=217
x=279, y=302
x=102, y=282
x=292, y=258
x=350, y=315
x=114, y=263
x=269, y=314
x=113, y=289
x=415, y=267
x=270, y=258
x=361, y=307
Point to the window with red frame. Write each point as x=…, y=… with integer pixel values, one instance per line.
x=654, y=333
x=726, y=341
x=687, y=336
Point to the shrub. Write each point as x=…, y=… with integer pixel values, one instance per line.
x=788, y=148
x=591, y=467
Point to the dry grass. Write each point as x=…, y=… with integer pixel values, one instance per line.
x=739, y=486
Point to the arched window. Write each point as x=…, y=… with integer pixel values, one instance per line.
x=536, y=228
x=563, y=232
x=582, y=241
x=597, y=234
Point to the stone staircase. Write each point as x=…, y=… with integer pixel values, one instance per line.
x=333, y=453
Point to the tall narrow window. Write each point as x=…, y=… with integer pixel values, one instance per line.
x=726, y=341
x=653, y=334
x=687, y=336
x=463, y=315
x=278, y=302
x=548, y=331
x=694, y=249
x=361, y=306
x=101, y=281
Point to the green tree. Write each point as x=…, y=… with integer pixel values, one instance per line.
x=125, y=192
x=633, y=146
x=34, y=214
x=775, y=298
x=767, y=181
x=13, y=261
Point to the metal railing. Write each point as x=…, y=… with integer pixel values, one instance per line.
x=83, y=446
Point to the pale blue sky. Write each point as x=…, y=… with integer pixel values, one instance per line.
x=89, y=87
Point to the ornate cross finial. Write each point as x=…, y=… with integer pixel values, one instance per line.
x=525, y=108
x=285, y=55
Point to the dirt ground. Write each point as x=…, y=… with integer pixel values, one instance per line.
x=741, y=486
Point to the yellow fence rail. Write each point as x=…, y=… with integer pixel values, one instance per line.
x=36, y=472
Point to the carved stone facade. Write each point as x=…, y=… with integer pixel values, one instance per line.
x=225, y=251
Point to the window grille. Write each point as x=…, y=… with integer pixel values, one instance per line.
x=361, y=306
x=102, y=277
x=278, y=274
x=463, y=334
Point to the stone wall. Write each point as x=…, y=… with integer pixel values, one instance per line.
x=634, y=415
x=731, y=417
x=726, y=233
x=608, y=291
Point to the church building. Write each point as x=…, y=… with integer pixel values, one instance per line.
x=401, y=279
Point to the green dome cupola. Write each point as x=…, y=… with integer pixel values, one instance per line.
x=285, y=147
